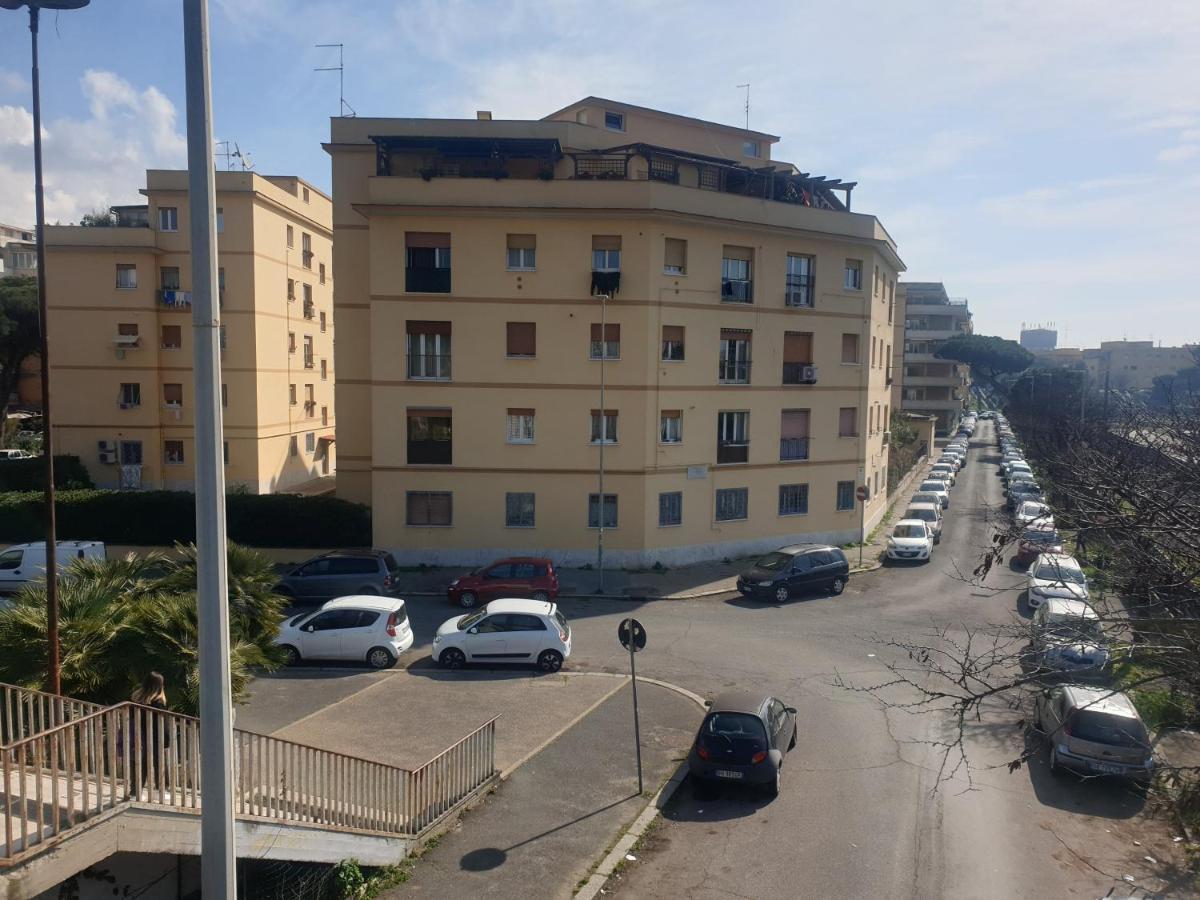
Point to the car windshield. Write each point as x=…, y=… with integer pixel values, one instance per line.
x=925, y=498
x=1037, y=536
x=927, y=515
x=932, y=485
x=909, y=531
x=1065, y=573
x=736, y=727
x=1034, y=510
x=1077, y=628
x=774, y=562
x=1106, y=728
x=469, y=620
x=292, y=623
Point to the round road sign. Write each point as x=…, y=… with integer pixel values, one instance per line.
x=631, y=631
x=862, y=492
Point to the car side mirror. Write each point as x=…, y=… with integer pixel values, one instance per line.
x=708, y=703
x=308, y=628
x=790, y=710
x=474, y=630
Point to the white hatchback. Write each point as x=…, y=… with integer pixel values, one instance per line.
x=360, y=628
x=506, y=631
x=911, y=539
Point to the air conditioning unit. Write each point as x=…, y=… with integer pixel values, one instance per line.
x=887, y=438
x=808, y=374
x=797, y=298
x=107, y=446
x=108, y=457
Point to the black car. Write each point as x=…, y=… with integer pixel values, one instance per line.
x=340, y=574
x=794, y=570
x=743, y=740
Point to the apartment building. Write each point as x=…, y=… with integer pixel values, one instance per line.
x=18, y=251
x=744, y=341
x=929, y=385
x=120, y=324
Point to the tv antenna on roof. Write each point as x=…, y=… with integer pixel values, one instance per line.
x=747, y=87
x=340, y=68
x=243, y=158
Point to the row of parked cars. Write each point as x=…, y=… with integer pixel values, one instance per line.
x=1091, y=729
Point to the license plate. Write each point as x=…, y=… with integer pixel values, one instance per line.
x=1108, y=768
x=726, y=773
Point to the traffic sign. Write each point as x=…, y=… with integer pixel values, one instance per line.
x=630, y=631
x=862, y=492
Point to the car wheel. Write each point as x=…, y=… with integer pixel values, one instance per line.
x=781, y=594
x=792, y=742
x=541, y=597
x=380, y=658
x=291, y=656
x=467, y=599
x=837, y=587
x=771, y=788
x=550, y=661
x=452, y=658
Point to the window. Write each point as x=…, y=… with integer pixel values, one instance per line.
x=737, y=285
x=520, y=426
x=293, y=447
x=321, y=273
x=845, y=495
x=850, y=348
x=732, y=504
x=324, y=369
x=225, y=451
x=870, y=420
x=798, y=358
x=173, y=453
x=428, y=350
x=670, y=508
x=324, y=415
x=522, y=252
x=671, y=426
x=750, y=148
x=310, y=403
x=733, y=441
x=672, y=343
x=873, y=354
x=131, y=453
x=224, y=394
x=306, y=252
x=875, y=287
x=23, y=259
x=291, y=290
x=429, y=508
x=848, y=421
x=126, y=276
x=675, y=257
x=734, y=361
x=291, y=342
x=323, y=324
x=168, y=218
x=852, y=280
x=131, y=395
x=430, y=436
x=610, y=510
x=221, y=286
x=169, y=278
x=221, y=228
x=521, y=339
x=172, y=337
x=518, y=510
x=606, y=345
x=614, y=121
x=308, y=351
x=604, y=427
x=127, y=329
x=308, y=309
x=173, y=395
x=606, y=253
x=891, y=303
x=291, y=237
x=800, y=281
x=793, y=434
x=427, y=262
x=793, y=499
x=310, y=443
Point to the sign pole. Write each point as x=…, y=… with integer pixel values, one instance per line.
x=863, y=493
x=637, y=730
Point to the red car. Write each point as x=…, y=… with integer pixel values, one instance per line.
x=1036, y=541
x=517, y=576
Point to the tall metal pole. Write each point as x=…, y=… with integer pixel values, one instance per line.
x=637, y=727
x=217, y=856
x=603, y=438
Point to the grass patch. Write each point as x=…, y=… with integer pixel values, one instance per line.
x=1159, y=705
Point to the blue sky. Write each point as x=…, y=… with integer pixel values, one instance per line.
x=1043, y=159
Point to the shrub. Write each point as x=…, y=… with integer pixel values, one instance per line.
x=29, y=474
x=159, y=518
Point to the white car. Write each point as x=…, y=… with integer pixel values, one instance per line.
x=1055, y=575
x=936, y=486
x=360, y=628
x=15, y=454
x=1034, y=512
x=505, y=631
x=951, y=459
x=910, y=539
x=941, y=468
x=22, y=564
x=1068, y=637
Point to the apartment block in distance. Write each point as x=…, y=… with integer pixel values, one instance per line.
x=745, y=344
x=121, y=351
x=932, y=386
x=18, y=251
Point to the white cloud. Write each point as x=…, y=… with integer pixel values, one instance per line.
x=12, y=83
x=90, y=162
x=1179, y=153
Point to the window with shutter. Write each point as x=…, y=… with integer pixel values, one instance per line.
x=850, y=348
x=606, y=342
x=604, y=427
x=429, y=508
x=671, y=426
x=522, y=252
x=848, y=421
x=428, y=350
x=675, y=257
x=793, y=434
x=521, y=339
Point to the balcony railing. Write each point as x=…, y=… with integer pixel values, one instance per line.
x=429, y=366
x=734, y=371
x=427, y=281
x=174, y=298
x=798, y=291
x=732, y=453
x=799, y=373
x=793, y=448
x=737, y=291
x=430, y=452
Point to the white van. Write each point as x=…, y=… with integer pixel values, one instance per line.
x=23, y=563
x=15, y=454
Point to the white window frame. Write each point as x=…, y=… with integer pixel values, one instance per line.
x=606, y=260
x=126, y=269
x=620, y=116
x=609, y=435
x=168, y=218
x=733, y=427
x=524, y=261
x=670, y=429
x=520, y=429
x=852, y=275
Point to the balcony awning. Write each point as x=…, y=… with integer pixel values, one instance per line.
x=329, y=438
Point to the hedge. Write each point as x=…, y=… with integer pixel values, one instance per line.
x=160, y=518
x=29, y=474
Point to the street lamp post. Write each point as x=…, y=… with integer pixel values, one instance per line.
x=54, y=684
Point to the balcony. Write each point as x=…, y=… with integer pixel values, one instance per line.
x=608, y=283
x=175, y=299
x=737, y=291
x=430, y=452
x=798, y=291
x=733, y=371
x=793, y=448
x=799, y=373
x=732, y=453
x=429, y=366
x=427, y=280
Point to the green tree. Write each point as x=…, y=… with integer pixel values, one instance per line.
x=20, y=335
x=98, y=218
x=987, y=355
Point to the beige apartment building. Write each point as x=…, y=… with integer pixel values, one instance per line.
x=121, y=353
x=745, y=345
x=928, y=385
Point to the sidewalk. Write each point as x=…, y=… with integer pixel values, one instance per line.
x=547, y=825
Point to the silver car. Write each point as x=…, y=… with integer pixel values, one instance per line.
x=1094, y=731
x=1068, y=637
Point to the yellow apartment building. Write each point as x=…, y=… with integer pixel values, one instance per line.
x=120, y=324
x=745, y=339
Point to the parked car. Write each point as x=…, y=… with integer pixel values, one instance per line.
x=943, y=476
x=1023, y=492
x=508, y=630
x=1068, y=637
x=930, y=514
x=794, y=570
x=1094, y=731
x=15, y=454
x=22, y=564
x=1055, y=575
x=936, y=486
x=987, y=414
x=942, y=469
x=910, y=539
x=342, y=573
x=1034, y=512
x=952, y=460
x=368, y=628
x=1036, y=541
x=922, y=497
x=518, y=576
x=743, y=739
x=1016, y=470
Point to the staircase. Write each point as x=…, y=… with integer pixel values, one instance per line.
x=78, y=779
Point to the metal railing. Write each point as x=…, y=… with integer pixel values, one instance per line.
x=25, y=712
x=793, y=448
x=733, y=371
x=736, y=290
x=799, y=373
x=433, y=366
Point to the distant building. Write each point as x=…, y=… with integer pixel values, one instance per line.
x=1039, y=339
x=18, y=251
x=1133, y=365
x=928, y=385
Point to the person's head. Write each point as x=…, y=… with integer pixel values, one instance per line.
x=152, y=689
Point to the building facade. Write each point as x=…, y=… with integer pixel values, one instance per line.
x=1039, y=340
x=744, y=349
x=928, y=385
x=18, y=251
x=120, y=324
x=1133, y=365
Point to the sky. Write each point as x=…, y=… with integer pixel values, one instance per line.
x=1040, y=158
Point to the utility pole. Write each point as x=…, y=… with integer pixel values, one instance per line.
x=747, y=87
x=217, y=855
